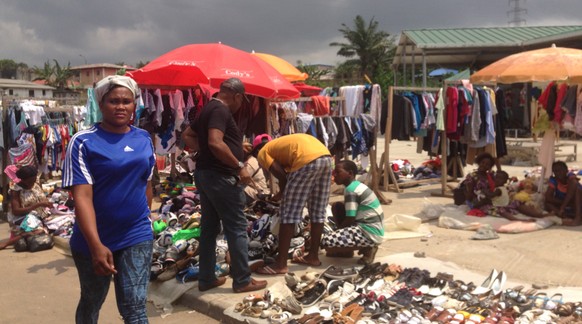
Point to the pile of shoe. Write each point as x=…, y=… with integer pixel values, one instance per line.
x=383, y=293
x=264, y=306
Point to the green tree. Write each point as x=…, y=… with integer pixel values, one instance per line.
x=45, y=73
x=54, y=75
x=8, y=69
x=368, y=49
x=314, y=73
x=62, y=75
x=141, y=64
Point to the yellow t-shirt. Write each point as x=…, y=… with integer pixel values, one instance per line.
x=292, y=151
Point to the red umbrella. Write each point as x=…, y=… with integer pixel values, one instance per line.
x=211, y=64
x=306, y=89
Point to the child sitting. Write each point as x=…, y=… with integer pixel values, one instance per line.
x=564, y=194
x=499, y=203
x=25, y=197
x=359, y=218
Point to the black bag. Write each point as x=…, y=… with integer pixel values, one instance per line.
x=459, y=194
x=21, y=245
x=40, y=242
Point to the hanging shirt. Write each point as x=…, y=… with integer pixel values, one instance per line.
x=440, y=107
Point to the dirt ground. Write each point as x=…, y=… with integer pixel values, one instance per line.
x=43, y=287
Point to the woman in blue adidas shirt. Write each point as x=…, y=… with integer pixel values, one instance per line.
x=108, y=168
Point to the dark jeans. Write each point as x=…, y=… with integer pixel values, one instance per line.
x=131, y=284
x=222, y=199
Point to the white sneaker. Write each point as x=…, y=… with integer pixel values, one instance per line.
x=335, y=296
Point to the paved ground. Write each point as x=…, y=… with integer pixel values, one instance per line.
x=43, y=287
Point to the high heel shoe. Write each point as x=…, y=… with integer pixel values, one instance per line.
x=498, y=283
x=486, y=285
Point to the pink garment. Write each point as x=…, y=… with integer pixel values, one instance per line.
x=578, y=119
x=11, y=173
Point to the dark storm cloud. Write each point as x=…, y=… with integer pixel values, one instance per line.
x=132, y=31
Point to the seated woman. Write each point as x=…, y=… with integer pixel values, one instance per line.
x=359, y=218
x=564, y=194
x=480, y=181
x=26, y=196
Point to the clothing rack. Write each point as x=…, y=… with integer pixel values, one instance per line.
x=306, y=99
x=387, y=167
x=456, y=162
x=6, y=102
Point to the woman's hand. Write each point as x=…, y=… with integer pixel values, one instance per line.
x=102, y=259
x=277, y=196
x=44, y=204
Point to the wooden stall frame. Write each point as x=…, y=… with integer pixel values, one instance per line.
x=388, y=172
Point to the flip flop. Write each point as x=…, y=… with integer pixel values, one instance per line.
x=299, y=259
x=267, y=270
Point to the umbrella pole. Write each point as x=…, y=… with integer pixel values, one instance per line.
x=269, y=131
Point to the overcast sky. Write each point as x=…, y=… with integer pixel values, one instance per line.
x=109, y=31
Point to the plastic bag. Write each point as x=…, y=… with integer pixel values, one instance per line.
x=186, y=234
x=21, y=245
x=431, y=210
x=30, y=222
x=40, y=242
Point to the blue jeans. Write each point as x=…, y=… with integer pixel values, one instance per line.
x=131, y=284
x=222, y=198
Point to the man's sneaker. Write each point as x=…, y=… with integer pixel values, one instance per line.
x=297, y=243
x=256, y=250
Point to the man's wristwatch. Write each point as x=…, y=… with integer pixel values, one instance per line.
x=241, y=165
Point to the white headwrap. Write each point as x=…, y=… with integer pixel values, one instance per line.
x=106, y=84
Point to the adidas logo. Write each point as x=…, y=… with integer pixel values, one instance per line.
x=127, y=149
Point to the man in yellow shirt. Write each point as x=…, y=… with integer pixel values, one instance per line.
x=302, y=165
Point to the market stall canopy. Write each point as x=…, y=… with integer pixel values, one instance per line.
x=548, y=64
x=306, y=89
x=463, y=75
x=211, y=64
x=290, y=72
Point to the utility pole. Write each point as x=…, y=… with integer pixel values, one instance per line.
x=516, y=13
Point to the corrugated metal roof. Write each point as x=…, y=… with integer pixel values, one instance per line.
x=486, y=37
x=477, y=47
x=22, y=84
x=102, y=65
